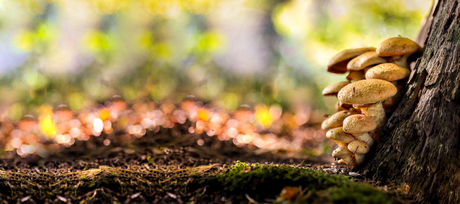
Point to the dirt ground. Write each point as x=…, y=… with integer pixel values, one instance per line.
x=167, y=166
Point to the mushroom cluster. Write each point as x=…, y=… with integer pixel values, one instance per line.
x=376, y=77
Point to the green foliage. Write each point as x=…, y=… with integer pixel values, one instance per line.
x=168, y=50
x=261, y=182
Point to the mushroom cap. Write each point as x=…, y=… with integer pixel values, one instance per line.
x=364, y=60
x=366, y=91
x=397, y=46
x=333, y=89
x=341, y=151
x=338, y=63
x=358, y=123
x=336, y=119
x=358, y=147
x=387, y=72
x=337, y=134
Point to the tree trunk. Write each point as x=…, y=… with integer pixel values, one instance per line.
x=420, y=144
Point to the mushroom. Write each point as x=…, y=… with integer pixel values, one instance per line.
x=333, y=90
x=357, y=64
x=399, y=49
x=393, y=73
x=345, y=155
x=359, y=149
x=339, y=136
x=342, y=139
x=336, y=119
x=368, y=95
x=359, y=125
x=387, y=72
x=338, y=63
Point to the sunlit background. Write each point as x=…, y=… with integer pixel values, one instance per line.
x=268, y=54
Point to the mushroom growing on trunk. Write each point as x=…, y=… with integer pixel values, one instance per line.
x=393, y=73
x=338, y=63
x=368, y=95
x=356, y=65
x=333, y=90
x=398, y=49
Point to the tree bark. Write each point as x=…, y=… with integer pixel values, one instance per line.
x=420, y=144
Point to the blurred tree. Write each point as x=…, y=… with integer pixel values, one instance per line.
x=421, y=143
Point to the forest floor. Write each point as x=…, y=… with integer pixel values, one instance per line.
x=170, y=167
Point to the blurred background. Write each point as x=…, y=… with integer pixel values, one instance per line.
x=264, y=53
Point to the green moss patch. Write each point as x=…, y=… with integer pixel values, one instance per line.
x=263, y=183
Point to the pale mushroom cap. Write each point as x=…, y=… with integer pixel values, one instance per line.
x=333, y=89
x=338, y=63
x=365, y=60
x=341, y=151
x=366, y=91
x=358, y=123
x=336, y=119
x=358, y=147
x=387, y=72
x=337, y=134
x=397, y=46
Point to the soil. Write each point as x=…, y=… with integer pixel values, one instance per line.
x=167, y=166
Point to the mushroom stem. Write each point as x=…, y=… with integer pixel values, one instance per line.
x=377, y=113
x=355, y=75
x=390, y=104
x=400, y=60
x=341, y=144
x=360, y=158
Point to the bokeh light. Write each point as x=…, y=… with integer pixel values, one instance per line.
x=154, y=55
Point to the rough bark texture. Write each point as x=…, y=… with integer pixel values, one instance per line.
x=420, y=144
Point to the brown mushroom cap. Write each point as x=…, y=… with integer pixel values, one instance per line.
x=355, y=124
x=387, y=72
x=358, y=147
x=333, y=89
x=366, y=91
x=336, y=119
x=338, y=135
x=338, y=63
x=397, y=46
x=364, y=60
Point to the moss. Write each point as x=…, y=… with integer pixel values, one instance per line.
x=262, y=182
